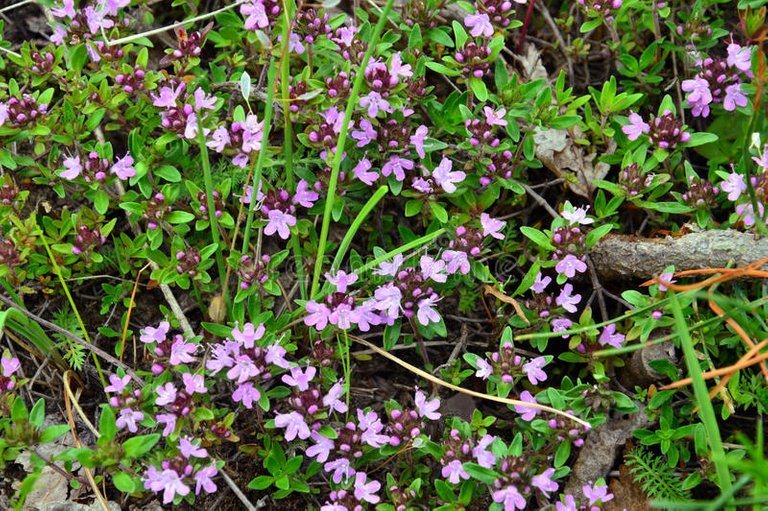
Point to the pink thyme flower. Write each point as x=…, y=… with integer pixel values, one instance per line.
x=610, y=337
x=577, y=215
x=188, y=449
x=540, y=283
x=397, y=166
x=495, y=117
x=491, y=226
x=256, y=15
x=433, y=269
x=193, y=383
x=418, y=140
x=366, y=134
x=204, y=479
x=597, y=493
x=445, y=178
x=427, y=409
x=636, y=127
x=739, y=57
x=454, y=472
x=248, y=335
x=569, y=265
x=322, y=448
x=123, y=168
x=734, y=97
x=699, y=95
x=246, y=394
x=73, y=166
x=298, y=378
x=67, y=10
x=665, y=279
x=566, y=300
x=361, y=172
x=318, y=314
x=341, y=280
x=166, y=394
x=397, y=68
x=157, y=335
x=294, y=425
x=374, y=102
x=332, y=400
x=480, y=452
x=533, y=370
x=366, y=491
x=480, y=25
x=389, y=269
x=734, y=186
x=168, y=481
x=527, y=413
x=117, y=384
x=127, y=418
x=456, y=261
x=167, y=97
x=280, y=222
x=510, y=497
x=181, y=351
x=544, y=482
x=427, y=313
x=484, y=369
x=305, y=195
x=388, y=299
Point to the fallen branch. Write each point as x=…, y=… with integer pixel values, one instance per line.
x=618, y=257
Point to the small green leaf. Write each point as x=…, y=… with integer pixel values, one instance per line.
x=479, y=88
x=140, y=445
x=124, y=482
x=537, y=237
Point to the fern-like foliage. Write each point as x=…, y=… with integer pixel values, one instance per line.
x=655, y=477
x=72, y=352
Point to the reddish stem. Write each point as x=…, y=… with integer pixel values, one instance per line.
x=524, y=30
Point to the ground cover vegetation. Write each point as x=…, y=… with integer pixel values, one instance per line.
x=392, y=255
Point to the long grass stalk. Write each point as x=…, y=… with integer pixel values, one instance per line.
x=706, y=411
x=212, y=219
x=336, y=164
x=285, y=75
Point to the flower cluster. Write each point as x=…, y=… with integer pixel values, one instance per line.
x=241, y=139
x=278, y=207
x=21, y=112
x=82, y=25
x=509, y=367
x=596, y=495
x=178, y=474
x=126, y=400
x=97, y=169
x=665, y=131
x=246, y=363
x=719, y=81
x=181, y=109
x=735, y=185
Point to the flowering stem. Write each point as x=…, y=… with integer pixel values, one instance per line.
x=285, y=73
x=336, y=165
x=214, y=223
x=706, y=412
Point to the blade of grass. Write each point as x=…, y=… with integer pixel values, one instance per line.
x=358, y=221
x=336, y=164
x=285, y=75
x=72, y=304
x=706, y=411
x=212, y=219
